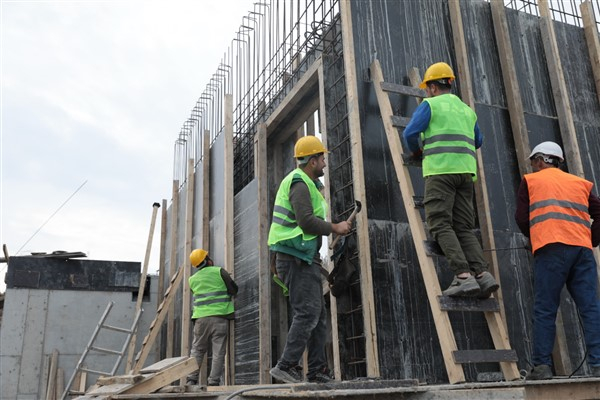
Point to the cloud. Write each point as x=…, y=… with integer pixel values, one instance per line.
x=98, y=91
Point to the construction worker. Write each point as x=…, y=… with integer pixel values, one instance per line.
x=449, y=133
x=295, y=236
x=212, y=288
x=554, y=210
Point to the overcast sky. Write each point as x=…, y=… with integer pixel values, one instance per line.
x=96, y=92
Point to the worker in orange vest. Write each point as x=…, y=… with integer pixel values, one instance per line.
x=554, y=210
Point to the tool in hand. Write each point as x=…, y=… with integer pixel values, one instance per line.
x=351, y=218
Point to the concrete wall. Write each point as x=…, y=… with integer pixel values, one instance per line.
x=37, y=321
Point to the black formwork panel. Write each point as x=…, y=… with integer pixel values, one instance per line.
x=410, y=34
x=247, y=324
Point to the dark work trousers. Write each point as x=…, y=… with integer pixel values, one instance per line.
x=451, y=218
x=309, y=318
x=557, y=264
x=210, y=331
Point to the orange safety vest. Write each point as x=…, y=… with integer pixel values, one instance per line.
x=558, y=209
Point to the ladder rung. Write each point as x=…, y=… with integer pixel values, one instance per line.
x=432, y=248
x=448, y=303
x=410, y=161
x=418, y=201
x=93, y=371
x=109, y=351
x=481, y=356
x=401, y=89
x=116, y=328
x=400, y=122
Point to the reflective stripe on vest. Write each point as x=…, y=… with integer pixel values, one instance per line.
x=284, y=225
x=558, y=209
x=449, y=140
x=210, y=293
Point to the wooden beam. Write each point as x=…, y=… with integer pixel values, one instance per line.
x=591, y=38
x=264, y=270
x=304, y=85
x=51, y=387
x=203, y=376
x=164, y=377
x=154, y=329
x=173, y=265
x=559, y=91
x=511, y=86
x=189, y=234
x=566, y=124
x=162, y=256
x=142, y=287
x=362, y=221
x=337, y=369
x=229, y=233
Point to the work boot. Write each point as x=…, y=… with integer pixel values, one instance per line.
x=287, y=375
x=462, y=287
x=213, y=383
x=595, y=370
x=322, y=375
x=191, y=382
x=487, y=285
x=539, y=372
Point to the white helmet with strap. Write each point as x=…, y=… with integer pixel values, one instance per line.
x=549, y=149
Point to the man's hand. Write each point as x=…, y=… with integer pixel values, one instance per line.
x=341, y=228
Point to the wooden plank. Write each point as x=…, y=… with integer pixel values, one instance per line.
x=140, y=296
x=120, y=379
x=82, y=381
x=160, y=316
x=298, y=120
x=593, y=45
x=229, y=233
x=483, y=205
x=481, y=356
x=51, y=387
x=203, y=378
x=591, y=38
x=362, y=222
x=511, y=86
x=566, y=124
x=162, y=365
x=469, y=304
x=164, y=377
x=173, y=265
x=335, y=341
x=432, y=284
x=162, y=255
x=559, y=91
x=60, y=383
x=399, y=122
x=401, y=89
x=291, y=100
x=186, y=297
x=264, y=270
x=109, y=389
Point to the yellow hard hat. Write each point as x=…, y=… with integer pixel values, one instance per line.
x=198, y=256
x=308, y=146
x=436, y=71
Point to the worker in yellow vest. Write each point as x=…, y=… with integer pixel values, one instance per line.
x=212, y=288
x=295, y=236
x=444, y=131
x=554, y=209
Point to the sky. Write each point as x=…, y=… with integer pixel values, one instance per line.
x=93, y=96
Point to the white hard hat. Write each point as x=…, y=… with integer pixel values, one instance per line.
x=548, y=149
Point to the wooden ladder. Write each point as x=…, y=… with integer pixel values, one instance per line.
x=440, y=305
x=90, y=347
x=156, y=324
